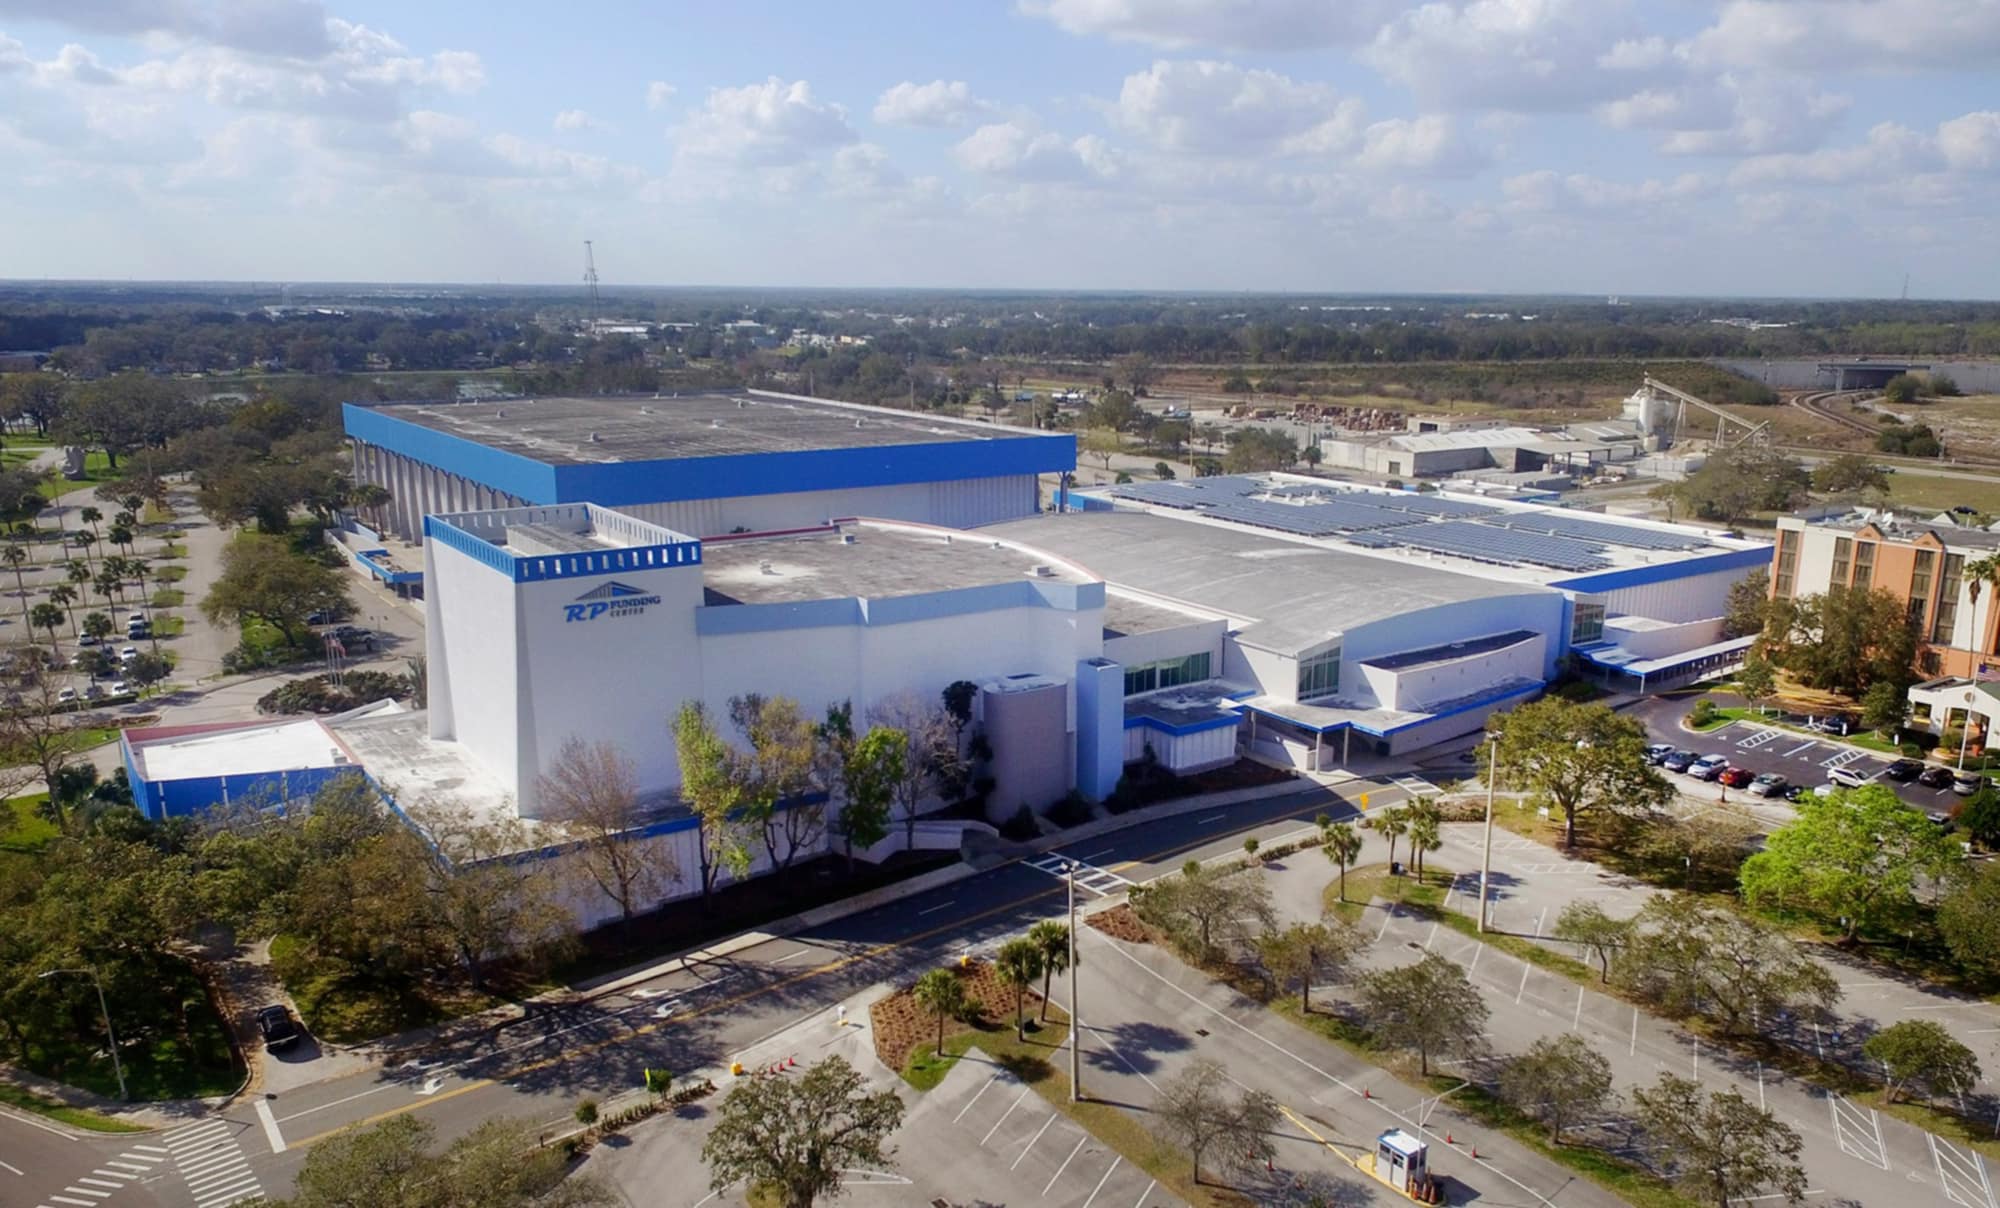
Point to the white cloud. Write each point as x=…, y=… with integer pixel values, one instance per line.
x=772, y=123
x=1429, y=145
x=658, y=93
x=1525, y=55
x=1207, y=107
x=1549, y=191
x=576, y=119
x=1011, y=150
x=1851, y=35
x=1230, y=24
x=1731, y=114
x=1890, y=150
x=1971, y=143
x=289, y=28
x=939, y=103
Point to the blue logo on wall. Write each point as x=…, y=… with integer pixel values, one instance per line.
x=613, y=599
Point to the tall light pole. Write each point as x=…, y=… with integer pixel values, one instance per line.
x=1075, y=1020
x=1486, y=854
x=117, y=1066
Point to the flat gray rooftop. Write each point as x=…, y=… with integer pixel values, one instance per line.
x=1124, y=616
x=559, y=431
x=1292, y=595
x=882, y=562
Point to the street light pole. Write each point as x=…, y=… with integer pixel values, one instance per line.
x=117, y=1066
x=1075, y=1020
x=1486, y=854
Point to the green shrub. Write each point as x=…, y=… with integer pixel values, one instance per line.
x=586, y=1112
x=1021, y=827
x=1072, y=810
x=1703, y=712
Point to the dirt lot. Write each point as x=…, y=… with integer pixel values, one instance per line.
x=900, y=1025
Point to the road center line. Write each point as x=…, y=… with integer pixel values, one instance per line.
x=947, y=903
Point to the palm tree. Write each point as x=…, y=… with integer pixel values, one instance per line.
x=97, y=625
x=1343, y=847
x=1978, y=573
x=121, y=536
x=1390, y=824
x=943, y=995
x=1051, y=939
x=108, y=587
x=49, y=617
x=132, y=504
x=91, y=516
x=1424, y=837
x=1018, y=964
x=17, y=557
x=65, y=595
x=83, y=541
x=77, y=573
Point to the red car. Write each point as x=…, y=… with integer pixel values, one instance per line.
x=1737, y=778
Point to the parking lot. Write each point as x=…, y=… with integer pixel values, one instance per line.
x=1799, y=758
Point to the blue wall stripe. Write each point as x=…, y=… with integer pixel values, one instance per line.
x=512, y=473
x=1663, y=572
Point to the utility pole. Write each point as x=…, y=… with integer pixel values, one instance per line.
x=590, y=281
x=117, y=1066
x=1486, y=855
x=1075, y=1020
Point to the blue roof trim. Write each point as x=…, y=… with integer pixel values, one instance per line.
x=521, y=477
x=1479, y=702
x=672, y=480
x=1154, y=723
x=544, y=567
x=1664, y=572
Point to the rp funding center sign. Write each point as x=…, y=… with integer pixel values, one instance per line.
x=613, y=599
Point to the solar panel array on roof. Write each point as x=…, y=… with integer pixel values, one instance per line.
x=1486, y=543
x=1306, y=519
x=1598, y=531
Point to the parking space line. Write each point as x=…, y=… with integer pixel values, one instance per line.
x=1800, y=748
x=1962, y=1174
x=1003, y=1116
x=1141, y=1201
x=1115, y=1160
x=1032, y=1140
x=1065, y=1164
x=1858, y=1130
x=969, y=1102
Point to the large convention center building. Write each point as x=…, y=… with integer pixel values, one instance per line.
x=1311, y=624
x=703, y=463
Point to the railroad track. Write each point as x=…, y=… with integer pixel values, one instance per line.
x=1820, y=405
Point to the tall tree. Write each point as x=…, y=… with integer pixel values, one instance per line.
x=1559, y=1080
x=1391, y=824
x=1343, y=848
x=943, y=995
x=1017, y=964
x=800, y=1136
x=262, y=579
x=711, y=794
x=1687, y=957
x=49, y=617
x=592, y=793
x=1584, y=923
x=16, y=557
x=1922, y=1053
x=1430, y=1007
x=1051, y=939
x=1307, y=953
x=1720, y=1147
x=1196, y=1111
x=1849, y=474
x=931, y=753
x=1577, y=760
x=1748, y=606
x=869, y=776
x=775, y=775
x=482, y=899
x=393, y=1164
x=1207, y=911
x=1847, y=639
x=1426, y=835
x=1852, y=859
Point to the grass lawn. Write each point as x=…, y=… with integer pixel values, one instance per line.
x=169, y=627
x=96, y=468
x=159, y=1063
x=75, y=1117
x=1373, y=881
x=347, y=1009
x=1040, y=1062
x=1931, y=494
x=173, y=549
x=169, y=573
x=22, y=827
x=169, y=597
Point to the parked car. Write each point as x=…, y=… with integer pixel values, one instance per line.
x=137, y=618
x=93, y=691
x=1770, y=784
x=120, y=688
x=276, y=1026
x=1736, y=778
x=1940, y=819
x=1965, y=784
x=352, y=637
x=1708, y=767
x=1935, y=778
x=128, y=654
x=1903, y=770
x=1679, y=761
x=66, y=696
x=1658, y=752
x=1824, y=790
x=86, y=639
x=1797, y=792
x=1848, y=778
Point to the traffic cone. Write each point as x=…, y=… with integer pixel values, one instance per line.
x=1365, y=1094
x=1475, y=1153
x=1448, y=1140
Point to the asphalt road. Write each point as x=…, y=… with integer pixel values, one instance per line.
x=538, y=1069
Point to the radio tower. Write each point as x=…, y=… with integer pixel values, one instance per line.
x=590, y=281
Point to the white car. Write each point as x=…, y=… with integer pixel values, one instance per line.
x=128, y=654
x=1848, y=778
x=66, y=696
x=119, y=688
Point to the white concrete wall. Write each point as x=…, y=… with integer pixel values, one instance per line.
x=956, y=504
x=1418, y=689
x=1272, y=674
x=1695, y=598
x=1815, y=567
x=1652, y=641
x=470, y=636
x=1540, y=612
x=615, y=679
x=1196, y=637
x=1185, y=753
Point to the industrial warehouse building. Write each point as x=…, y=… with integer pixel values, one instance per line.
x=705, y=464
x=1182, y=623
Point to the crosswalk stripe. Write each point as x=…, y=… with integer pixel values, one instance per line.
x=66, y=1199
x=100, y=1183
x=216, y=1182
x=100, y=1195
x=115, y=1174
x=153, y=1149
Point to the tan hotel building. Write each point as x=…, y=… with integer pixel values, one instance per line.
x=1921, y=562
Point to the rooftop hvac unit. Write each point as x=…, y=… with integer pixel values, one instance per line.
x=1043, y=571
x=847, y=538
x=766, y=568
x=595, y=438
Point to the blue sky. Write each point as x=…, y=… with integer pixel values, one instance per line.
x=1673, y=146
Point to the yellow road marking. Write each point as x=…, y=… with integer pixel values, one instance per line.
x=649, y=1029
